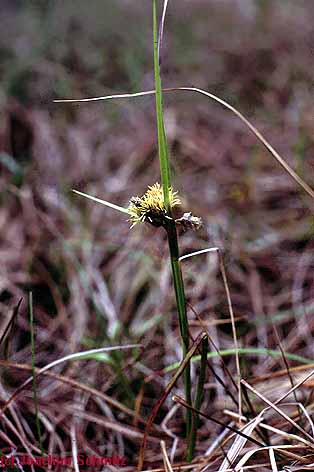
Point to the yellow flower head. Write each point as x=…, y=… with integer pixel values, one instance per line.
x=151, y=206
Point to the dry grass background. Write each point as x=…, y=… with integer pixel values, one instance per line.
x=96, y=283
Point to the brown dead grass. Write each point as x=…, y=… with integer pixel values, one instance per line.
x=89, y=273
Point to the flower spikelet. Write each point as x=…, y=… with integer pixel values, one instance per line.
x=151, y=206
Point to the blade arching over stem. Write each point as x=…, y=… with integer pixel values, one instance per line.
x=225, y=104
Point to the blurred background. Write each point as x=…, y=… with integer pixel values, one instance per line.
x=94, y=281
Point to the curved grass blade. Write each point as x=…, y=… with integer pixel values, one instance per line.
x=225, y=104
x=71, y=357
x=161, y=29
x=255, y=351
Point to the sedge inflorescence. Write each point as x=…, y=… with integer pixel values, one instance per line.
x=150, y=207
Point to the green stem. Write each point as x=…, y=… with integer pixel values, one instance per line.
x=32, y=333
x=162, y=139
x=171, y=227
x=198, y=399
x=183, y=320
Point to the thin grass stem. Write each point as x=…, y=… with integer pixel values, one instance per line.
x=234, y=331
x=183, y=320
x=181, y=369
x=198, y=399
x=162, y=139
x=171, y=227
x=32, y=332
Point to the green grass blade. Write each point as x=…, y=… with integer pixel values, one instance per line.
x=243, y=351
x=162, y=139
x=183, y=320
x=198, y=398
x=32, y=332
